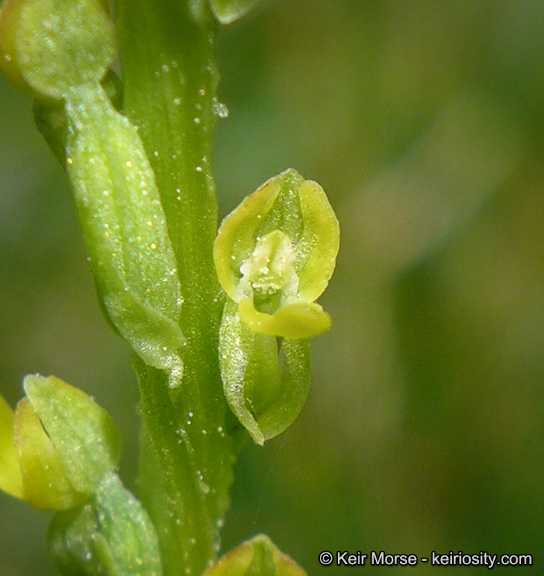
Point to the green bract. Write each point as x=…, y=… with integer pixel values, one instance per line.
x=274, y=256
x=125, y=230
x=110, y=535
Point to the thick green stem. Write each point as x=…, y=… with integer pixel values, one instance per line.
x=184, y=492
x=170, y=79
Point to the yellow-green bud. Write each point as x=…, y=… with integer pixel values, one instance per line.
x=57, y=446
x=48, y=47
x=256, y=557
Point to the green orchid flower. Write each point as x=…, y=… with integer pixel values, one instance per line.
x=274, y=256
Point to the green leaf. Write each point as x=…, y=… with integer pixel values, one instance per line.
x=228, y=11
x=256, y=557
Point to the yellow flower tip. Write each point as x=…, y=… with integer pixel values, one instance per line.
x=297, y=320
x=11, y=480
x=236, y=236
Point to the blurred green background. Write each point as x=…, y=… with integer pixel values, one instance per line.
x=424, y=430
